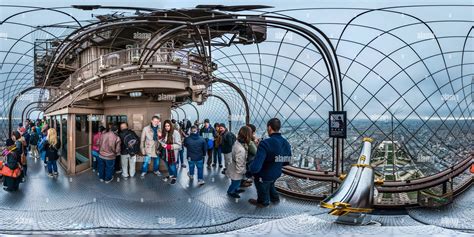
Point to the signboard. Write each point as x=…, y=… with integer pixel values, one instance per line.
x=337, y=124
x=137, y=120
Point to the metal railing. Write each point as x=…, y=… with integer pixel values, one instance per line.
x=130, y=57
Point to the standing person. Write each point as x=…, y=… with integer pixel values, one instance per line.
x=180, y=159
x=21, y=150
x=272, y=154
x=20, y=125
x=228, y=140
x=236, y=169
x=95, y=146
x=217, y=147
x=118, y=162
x=109, y=144
x=11, y=170
x=247, y=182
x=181, y=151
x=52, y=148
x=196, y=148
x=26, y=136
x=129, y=150
x=208, y=133
x=197, y=124
x=34, y=139
x=150, y=148
x=41, y=149
x=39, y=129
x=171, y=143
x=186, y=126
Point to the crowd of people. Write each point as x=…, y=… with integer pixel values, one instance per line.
x=244, y=158
x=34, y=139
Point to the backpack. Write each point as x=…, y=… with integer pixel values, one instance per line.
x=12, y=161
x=27, y=138
x=132, y=143
x=34, y=138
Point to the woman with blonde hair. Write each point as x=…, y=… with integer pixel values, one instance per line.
x=52, y=147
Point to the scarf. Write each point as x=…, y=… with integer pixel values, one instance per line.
x=155, y=132
x=171, y=159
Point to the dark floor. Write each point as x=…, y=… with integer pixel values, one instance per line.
x=83, y=205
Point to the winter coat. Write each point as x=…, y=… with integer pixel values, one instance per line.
x=109, y=144
x=236, y=169
x=175, y=147
x=196, y=147
x=147, y=144
x=265, y=165
x=228, y=140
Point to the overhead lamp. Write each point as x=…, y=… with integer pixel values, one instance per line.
x=135, y=94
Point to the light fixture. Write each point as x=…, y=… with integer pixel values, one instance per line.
x=135, y=94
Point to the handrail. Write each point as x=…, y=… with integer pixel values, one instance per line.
x=388, y=186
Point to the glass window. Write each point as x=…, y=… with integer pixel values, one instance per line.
x=116, y=119
x=82, y=139
x=62, y=122
x=96, y=122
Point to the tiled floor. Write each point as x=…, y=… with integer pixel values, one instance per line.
x=83, y=205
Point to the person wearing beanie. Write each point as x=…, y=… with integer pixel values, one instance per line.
x=208, y=133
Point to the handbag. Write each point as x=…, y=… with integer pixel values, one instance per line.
x=23, y=159
x=210, y=144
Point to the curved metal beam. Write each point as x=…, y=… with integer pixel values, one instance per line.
x=239, y=91
x=28, y=105
x=184, y=112
x=197, y=111
x=12, y=105
x=229, y=118
x=177, y=115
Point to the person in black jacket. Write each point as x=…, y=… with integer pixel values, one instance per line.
x=130, y=146
x=12, y=161
x=52, y=152
x=196, y=151
x=272, y=154
x=227, y=141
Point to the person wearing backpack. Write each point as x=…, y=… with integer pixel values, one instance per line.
x=129, y=150
x=52, y=148
x=208, y=133
x=11, y=181
x=21, y=150
x=34, y=139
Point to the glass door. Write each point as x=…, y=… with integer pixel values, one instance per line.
x=82, y=141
